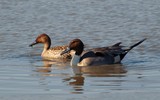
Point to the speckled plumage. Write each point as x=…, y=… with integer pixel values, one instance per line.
x=55, y=52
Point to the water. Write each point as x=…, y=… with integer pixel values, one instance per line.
x=97, y=23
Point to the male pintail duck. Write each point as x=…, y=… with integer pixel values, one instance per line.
x=50, y=53
x=97, y=56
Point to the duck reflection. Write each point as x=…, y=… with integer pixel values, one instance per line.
x=75, y=80
x=99, y=71
x=49, y=64
x=78, y=80
x=95, y=71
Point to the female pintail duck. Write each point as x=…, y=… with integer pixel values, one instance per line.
x=97, y=56
x=48, y=52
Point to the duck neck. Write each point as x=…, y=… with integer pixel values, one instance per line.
x=76, y=57
x=75, y=60
x=46, y=47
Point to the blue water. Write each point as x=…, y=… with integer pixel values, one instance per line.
x=97, y=23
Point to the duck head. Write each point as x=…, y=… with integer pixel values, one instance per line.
x=75, y=45
x=42, y=38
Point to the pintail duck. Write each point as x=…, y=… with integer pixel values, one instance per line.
x=97, y=56
x=50, y=53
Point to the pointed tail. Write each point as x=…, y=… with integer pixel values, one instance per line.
x=130, y=48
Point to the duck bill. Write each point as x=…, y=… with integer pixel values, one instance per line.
x=65, y=51
x=34, y=43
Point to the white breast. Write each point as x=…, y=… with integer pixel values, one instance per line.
x=75, y=60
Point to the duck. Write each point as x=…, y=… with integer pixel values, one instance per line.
x=48, y=51
x=97, y=56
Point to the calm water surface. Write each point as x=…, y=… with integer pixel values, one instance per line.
x=97, y=23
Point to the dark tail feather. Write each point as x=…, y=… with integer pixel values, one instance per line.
x=131, y=47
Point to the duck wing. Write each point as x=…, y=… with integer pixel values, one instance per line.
x=99, y=56
x=113, y=50
x=116, y=50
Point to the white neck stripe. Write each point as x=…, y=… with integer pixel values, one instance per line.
x=75, y=60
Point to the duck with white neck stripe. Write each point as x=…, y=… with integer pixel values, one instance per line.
x=97, y=56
